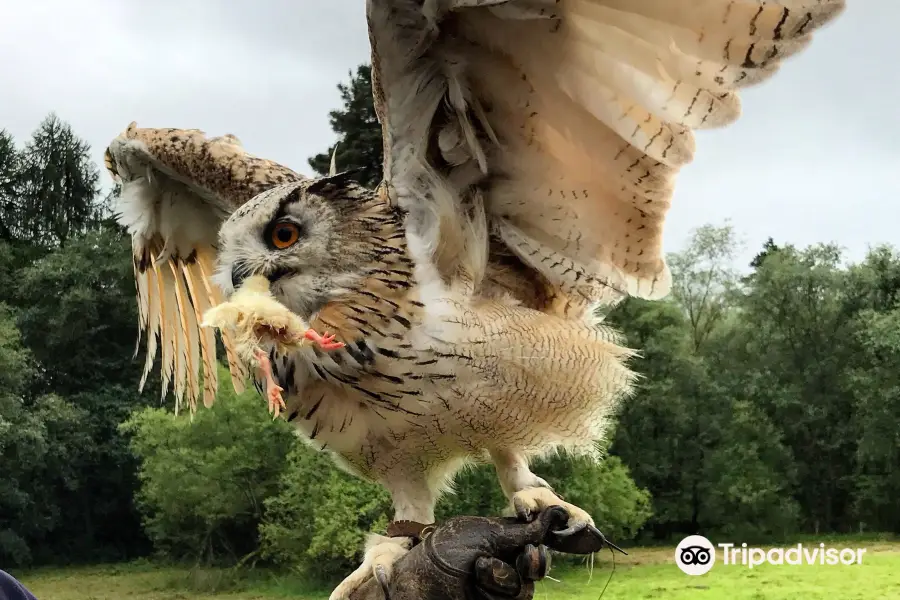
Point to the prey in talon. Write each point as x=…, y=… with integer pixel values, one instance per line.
x=257, y=319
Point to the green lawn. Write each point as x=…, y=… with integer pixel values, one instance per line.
x=646, y=573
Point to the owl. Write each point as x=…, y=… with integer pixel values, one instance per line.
x=531, y=149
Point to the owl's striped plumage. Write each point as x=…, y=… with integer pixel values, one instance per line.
x=531, y=150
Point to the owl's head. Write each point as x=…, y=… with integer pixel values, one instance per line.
x=300, y=236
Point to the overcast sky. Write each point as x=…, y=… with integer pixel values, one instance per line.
x=814, y=158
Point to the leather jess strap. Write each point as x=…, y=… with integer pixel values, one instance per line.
x=411, y=529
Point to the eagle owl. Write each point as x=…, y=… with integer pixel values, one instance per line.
x=530, y=153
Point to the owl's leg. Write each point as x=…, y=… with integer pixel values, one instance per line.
x=529, y=494
x=413, y=501
x=378, y=561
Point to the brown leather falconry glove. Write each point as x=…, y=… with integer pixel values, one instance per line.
x=479, y=558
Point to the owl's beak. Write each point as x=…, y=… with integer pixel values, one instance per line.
x=240, y=271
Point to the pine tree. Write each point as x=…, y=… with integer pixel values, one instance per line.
x=58, y=186
x=769, y=248
x=9, y=182
x=359, y=145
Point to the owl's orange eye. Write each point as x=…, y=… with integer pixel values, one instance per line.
x=285, y=235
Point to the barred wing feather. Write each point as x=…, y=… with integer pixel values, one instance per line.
x=177, y=187
x=568, y=120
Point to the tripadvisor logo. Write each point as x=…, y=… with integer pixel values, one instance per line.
x=696, y=555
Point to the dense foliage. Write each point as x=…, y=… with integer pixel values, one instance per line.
x=769, y=403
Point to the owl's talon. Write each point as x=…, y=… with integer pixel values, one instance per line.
x=382, y=577
x=378, y=560
x=531, y=501
x=522, y=511
x=572, y=530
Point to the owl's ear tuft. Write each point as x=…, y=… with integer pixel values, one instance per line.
x=331, y=185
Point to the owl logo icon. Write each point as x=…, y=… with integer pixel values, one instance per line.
x=695, y=555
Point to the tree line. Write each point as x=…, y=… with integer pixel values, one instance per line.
x=768, y=406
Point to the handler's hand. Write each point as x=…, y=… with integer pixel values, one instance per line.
x=470, y=558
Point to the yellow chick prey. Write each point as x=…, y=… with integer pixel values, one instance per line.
x=255, y=316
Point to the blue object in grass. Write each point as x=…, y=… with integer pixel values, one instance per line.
x=11, y=589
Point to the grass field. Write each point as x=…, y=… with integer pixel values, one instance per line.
x=644, y=574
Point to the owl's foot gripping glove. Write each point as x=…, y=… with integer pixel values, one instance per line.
x=533, y=500
x=481, y=558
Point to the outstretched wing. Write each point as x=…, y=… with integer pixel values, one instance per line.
x=567, y=119
x=177, y=187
